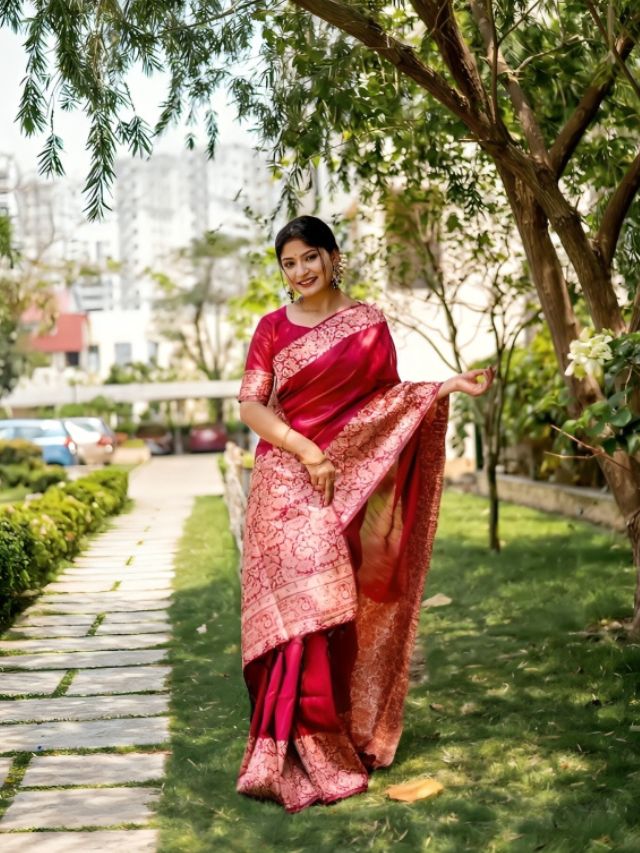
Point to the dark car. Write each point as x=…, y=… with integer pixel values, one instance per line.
x=157, y=437
x=207, y=438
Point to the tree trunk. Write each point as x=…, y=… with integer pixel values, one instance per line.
x=623, y=473
x=633, y=527
x=494, y=504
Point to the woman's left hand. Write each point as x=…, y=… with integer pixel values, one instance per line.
x=469, y=384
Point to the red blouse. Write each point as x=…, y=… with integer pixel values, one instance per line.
x=349, y=387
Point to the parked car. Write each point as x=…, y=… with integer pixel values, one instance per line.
x=157, y=437
x=207, y=438
x=96, y=441
x=50, y=434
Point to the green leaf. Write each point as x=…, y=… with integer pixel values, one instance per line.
x=622, y=418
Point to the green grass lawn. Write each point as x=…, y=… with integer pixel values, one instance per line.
x=535, y=729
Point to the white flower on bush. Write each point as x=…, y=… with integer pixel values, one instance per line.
x=588, y=353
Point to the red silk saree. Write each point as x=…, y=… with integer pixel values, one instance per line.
x=331, y=593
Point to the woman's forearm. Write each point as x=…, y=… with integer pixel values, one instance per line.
x=448, y=386
x=271, y=428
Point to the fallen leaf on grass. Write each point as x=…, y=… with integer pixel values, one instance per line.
x=418, y=789
x=469, y=708
x=202, y=629
x=437, y=600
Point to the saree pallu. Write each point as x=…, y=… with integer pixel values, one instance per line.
x=331, y=593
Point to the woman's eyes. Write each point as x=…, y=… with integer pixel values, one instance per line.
x=288, y=264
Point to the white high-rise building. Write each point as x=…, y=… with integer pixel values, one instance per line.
x=166, y=202
x=75, y=253
x=160, y=206
x=9, y=177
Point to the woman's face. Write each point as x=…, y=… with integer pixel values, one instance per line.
x=307, y=269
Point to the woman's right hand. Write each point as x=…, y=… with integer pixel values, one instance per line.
x=322, y=473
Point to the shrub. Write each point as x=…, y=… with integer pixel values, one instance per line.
x=37, y=476
x=37, y=535
x=14, y=562
x=42, y=477
x=21, y=465
x=18, y=452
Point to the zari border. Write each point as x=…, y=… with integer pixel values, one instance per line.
x=320, y=339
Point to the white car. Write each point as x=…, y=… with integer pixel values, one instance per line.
x=95, y=446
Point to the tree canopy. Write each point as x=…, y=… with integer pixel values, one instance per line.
x=544, y=96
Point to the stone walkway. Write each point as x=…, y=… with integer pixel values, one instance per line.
x=85, y=671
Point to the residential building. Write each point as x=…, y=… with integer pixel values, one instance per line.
x=166, y=202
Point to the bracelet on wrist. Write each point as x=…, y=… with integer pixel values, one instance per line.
x=283, y=444
x=324, y=459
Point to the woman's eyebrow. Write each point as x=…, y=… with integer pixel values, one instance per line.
x=290, y=258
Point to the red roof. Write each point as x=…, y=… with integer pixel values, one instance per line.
x=68, y=335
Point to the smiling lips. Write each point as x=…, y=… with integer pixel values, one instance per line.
x=307, y=282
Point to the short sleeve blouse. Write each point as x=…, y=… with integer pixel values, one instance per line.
x=258, y=377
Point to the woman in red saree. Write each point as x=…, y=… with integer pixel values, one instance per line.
x=341, y=517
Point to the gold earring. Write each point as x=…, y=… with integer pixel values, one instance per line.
x=338, y=272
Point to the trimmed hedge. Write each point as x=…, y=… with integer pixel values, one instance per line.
x=38, y=479
x=37, y=535
x=21, y=465
x=19, y=452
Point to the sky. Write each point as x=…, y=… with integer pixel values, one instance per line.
x=73, y=127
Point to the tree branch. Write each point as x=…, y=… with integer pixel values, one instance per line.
x=518, y=98
x=634, y=323
x=439, y=18
x=584, y=113
x=402, y=56
x=608, y=37
x=614, y=214
x=235, y=9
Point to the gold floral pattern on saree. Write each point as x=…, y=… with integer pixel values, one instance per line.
x=256, y=385
x=322, y=767
x=296, y=570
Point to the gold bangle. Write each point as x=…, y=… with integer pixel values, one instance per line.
x=284, y=440
x=313, y=464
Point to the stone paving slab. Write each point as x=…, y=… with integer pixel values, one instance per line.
x=131, y=564
x=41, y=632
x=155, y=615
x=73, y=587
x=17, y=683
x=113, y=604
x=139, y=585
x=127, y=572
x=153, y=561
x=101, y=602
x=5, y=766
x=31, y=619
x=79, y=808
x=87, y=599
x=77, y=708
x=132, y=545
x=101, y=841
x=90, y=734
x=160, y=551
x=82, y=660
x=125, y=679
x=94, y=769
x=83, y=644
x=132, y=627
